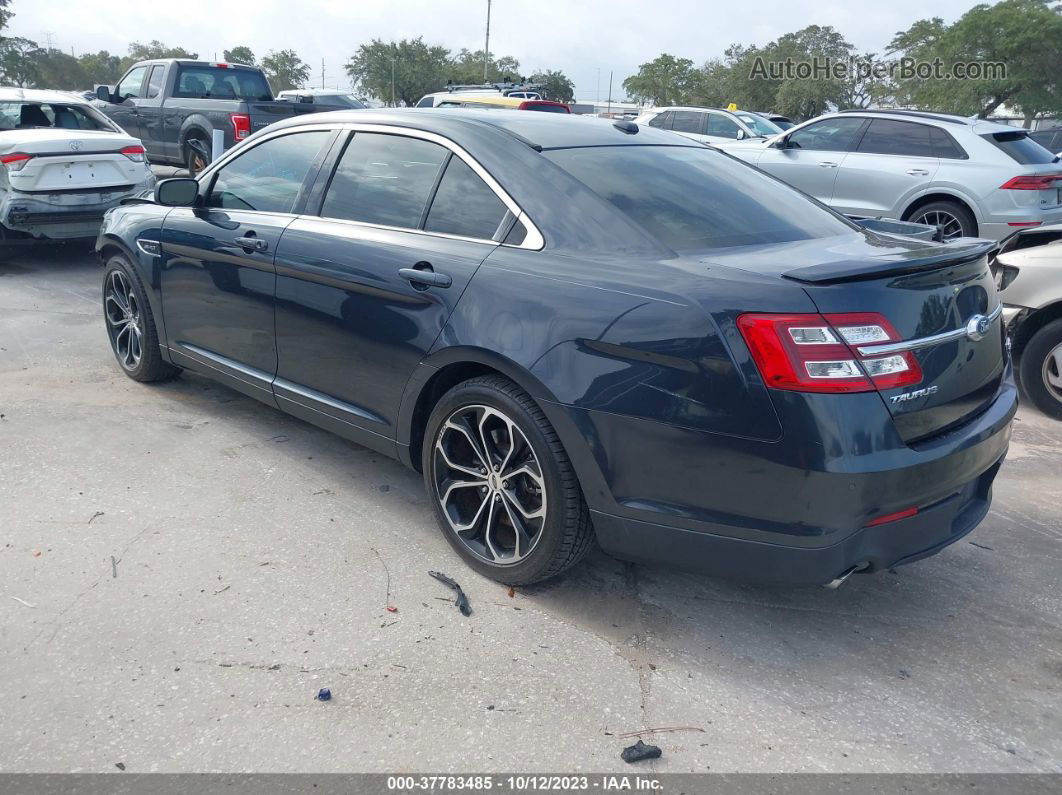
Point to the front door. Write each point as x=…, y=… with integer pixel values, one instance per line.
x=365, y=288
x=218, y=278
x=128, y=93
x=813, y=154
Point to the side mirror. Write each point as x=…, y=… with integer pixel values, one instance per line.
x=781, y=142
x=103, y=94
x=740, y=135
x=177, y=192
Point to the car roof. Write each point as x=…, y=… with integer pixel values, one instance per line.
x=540, y=130
x=321, y=92
x=39, y=95
x=947, y=121
x=702, y=108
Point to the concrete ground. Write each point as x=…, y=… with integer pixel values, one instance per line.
x=182, y=568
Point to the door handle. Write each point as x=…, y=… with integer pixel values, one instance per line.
x=421, y=276
x=828, y=164
x=252, y=243
x=917, y=172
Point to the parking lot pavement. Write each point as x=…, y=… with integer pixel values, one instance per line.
x=183, y=568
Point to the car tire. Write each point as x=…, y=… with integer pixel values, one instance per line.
x=947, y=214
x=194, y=162
x=131, y=325
x=1041, y=364
x=527, y=480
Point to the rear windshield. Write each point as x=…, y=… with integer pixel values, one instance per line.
x=30, y=115
x=1020, y=147
x=548, y=108
x=217, y=82
x=698, y=198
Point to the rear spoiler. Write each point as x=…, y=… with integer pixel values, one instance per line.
x=929, y=258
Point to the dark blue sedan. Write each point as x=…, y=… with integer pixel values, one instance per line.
x=578, y=330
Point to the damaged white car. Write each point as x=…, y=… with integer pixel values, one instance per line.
x=62, y=165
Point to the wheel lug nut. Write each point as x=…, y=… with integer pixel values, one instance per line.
x=505, y=484
x=483, y=489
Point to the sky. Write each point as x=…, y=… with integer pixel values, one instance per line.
x=586, y=39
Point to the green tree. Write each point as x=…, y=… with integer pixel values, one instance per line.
x=57, y=69
x=1024, y=35
x=241, y=54
x=153, y=49
x=663, y=81
x=467, y=68
x=417, y=69
x=101, y=68
x=19, y=61
x=285, y=70
x=556, y=85
x=5, y=13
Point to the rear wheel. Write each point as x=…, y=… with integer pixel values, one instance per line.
x=195, y=159
x=951, y=217
x=130, y=324
x=1041, y=369
x=501, y=485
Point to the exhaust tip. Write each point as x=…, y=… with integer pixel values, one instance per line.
x=842, y=578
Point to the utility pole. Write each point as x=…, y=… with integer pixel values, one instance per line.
x=393, y=105
x=322, y=73
x=48, y=34
x=486, y=46
x=609, y=111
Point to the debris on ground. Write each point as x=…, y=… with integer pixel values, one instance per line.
x=120, y=765
x=640, y=751
x=22, y=601
x=461, y=601
x=512, y=592
x=93, y=517
x=387, y=596
x=36, y=553
x=324, y=694
x=660, y=730
x=114, y=567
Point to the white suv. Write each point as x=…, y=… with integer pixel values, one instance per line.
x=710, y=125
x=970, y=177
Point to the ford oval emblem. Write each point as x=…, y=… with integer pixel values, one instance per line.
x=978, y=327
x=75, y=145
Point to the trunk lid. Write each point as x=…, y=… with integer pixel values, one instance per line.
x=65, y=160
x=940, y=296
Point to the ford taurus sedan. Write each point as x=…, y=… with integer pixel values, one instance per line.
x=577, y=329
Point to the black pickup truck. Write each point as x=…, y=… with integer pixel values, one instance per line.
x=173, y=106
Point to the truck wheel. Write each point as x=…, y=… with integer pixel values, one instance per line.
x=194, y=159
x=1041, y=369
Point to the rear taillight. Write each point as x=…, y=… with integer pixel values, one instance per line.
x=241, y=125
x=15, y=161
x=817, y=353
x=134, y=153
x=1032, y=182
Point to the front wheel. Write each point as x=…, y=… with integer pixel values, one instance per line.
x=131, y=325
x=501, y=485
x=1041, y=369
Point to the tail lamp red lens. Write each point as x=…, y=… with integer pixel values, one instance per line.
x=134, y=153
x=15, y=161
x=241, y=125
x=1032, y=182
x=818, y=353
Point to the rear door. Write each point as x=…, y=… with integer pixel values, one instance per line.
x=893, y=162
x=217, y=274
x=813, y=155
x=366, y=282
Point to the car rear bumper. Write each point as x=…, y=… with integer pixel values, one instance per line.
x=794, y=515
x=996, y=227
x=61, y=215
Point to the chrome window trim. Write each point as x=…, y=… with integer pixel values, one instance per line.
x=924, y=342
x=533, y=240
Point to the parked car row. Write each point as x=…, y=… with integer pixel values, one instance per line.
x=579, y=329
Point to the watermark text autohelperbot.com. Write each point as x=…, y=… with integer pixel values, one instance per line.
x=819, y=68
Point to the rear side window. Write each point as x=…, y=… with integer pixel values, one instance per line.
x=697, y=198
x=464, y=205
x=888, y=137
x=155, y=82
x=662, y=120
x=687, y=121
x=269, y=176
x=217, y=82
x=384, y=179
x=546, y=108
x=426, y=102
x=945, y=146
x=829, y=135
x=1020, y=147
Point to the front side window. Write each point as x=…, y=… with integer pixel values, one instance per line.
x=464, y=205
x=760, y=125
x=687, y=121
x=384, y=179
x=888, y=137
x=697, y=198
x=132, y=83
x=269, y=176
x=722, y=126
x=829, y=135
